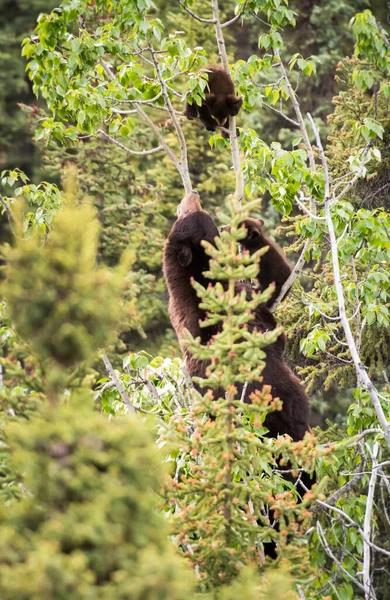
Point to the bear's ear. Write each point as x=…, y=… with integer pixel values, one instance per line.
x=235, y=103
x=185, y=256
x=210, y=99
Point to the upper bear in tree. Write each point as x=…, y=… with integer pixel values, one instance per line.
x=184, y=258
x=220, y=102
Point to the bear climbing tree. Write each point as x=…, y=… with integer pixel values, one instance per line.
x=220, y=101
x=185, y=259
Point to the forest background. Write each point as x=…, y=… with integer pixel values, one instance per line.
x=136, y=199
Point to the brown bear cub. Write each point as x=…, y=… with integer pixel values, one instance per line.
x=184, y=259
x=220, y=102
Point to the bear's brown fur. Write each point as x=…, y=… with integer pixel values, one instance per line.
x=220, y=102
x=184, y=259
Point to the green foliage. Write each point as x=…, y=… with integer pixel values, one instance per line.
x=275, y=584
x=57, y=297
x=96, y=63
x=18, y=21
x=43, y=200
x=88, y=528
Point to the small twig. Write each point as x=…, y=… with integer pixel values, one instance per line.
x=236, y=18
x=307, y=211
x=243, y=393
x=357, y=176
x=118, y=384
x=298, y=113
x=329, y=552
x=295, y=123
x=10, y=216
x=153, y=127
x=355, y=526
x=290, y=280
x=133, y=152
x=265, y=85
x=200, y=19
x=356, y=440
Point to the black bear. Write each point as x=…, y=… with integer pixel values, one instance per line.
x=184, y=259
x=220, y=102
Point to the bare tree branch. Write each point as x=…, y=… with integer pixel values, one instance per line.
x=357, y=175
x=201, y=19
x=184, y=176
x=362, y=376
x=298, y=113
x=132, y=152
x=293, y=275
x=329, y=552
x=118, y=384
x=279, y=112
x=236, y=18
x=239, y=193
x=185, y=173
x=369, y=593
x=355, y=525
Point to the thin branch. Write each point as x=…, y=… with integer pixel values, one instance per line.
x=236, y=160
x=236, y=18
x=345, y=489
x=355, y=526
x=132, y=152
x=126, y=101
x=355, y=439
x=118, y=384
x=265, y=85
x=279, y=112
x=293, y=275
x=201, y=19
x=329, y=552
x=152, y=126
x=184, y=170
x=10, y=216
x=298, y=113
x=307, y=211
x=369, y=593
x=243, y=393
x=362, y=376
x=357, y=176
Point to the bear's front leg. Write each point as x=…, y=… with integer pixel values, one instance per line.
x=191, y=111
x=208, y=121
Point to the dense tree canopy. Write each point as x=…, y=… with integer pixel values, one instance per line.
x=96, y=156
